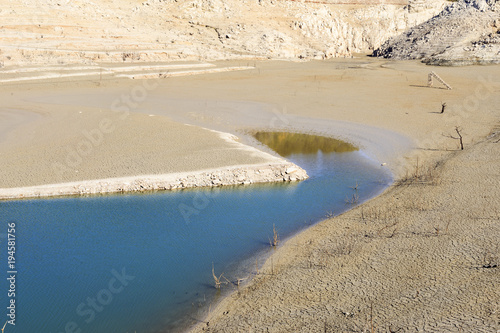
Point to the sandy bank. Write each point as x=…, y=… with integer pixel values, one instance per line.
x=235, y=175
x=94, y=151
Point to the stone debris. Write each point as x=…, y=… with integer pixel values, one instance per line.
x=223, y=177
x=466, y=32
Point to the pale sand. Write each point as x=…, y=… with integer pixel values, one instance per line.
x=329, y=274
x=383, y=107
x=184, y=73
x=83, y=150
x=152, y=71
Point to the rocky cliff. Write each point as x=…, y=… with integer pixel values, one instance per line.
x=82, y=31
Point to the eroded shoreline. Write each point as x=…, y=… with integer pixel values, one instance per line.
x=236, y=175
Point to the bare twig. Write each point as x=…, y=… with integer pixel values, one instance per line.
x=447, y=225
x=386, y=227
x=238, y=281
x=394, y=232
x=371, y=318
x=460, y=137
x=276, y=238
x=218, y=280
x=353, y=200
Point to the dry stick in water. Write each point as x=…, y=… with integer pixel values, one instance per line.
x=218, y=280
x=238, y=281
x=276, y=239
x=353, y=200
x=355, y=187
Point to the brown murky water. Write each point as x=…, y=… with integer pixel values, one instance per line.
x=286, y=143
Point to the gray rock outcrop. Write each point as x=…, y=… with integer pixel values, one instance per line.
x=464, y=33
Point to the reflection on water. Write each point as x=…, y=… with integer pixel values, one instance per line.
x=286, y=144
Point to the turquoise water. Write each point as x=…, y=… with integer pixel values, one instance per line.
x=142, y=262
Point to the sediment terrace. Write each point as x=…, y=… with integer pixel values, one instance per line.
x=124, y=31
x=236, y=175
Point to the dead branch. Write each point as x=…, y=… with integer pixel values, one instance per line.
x=460, y=137
x=276, y=238
x=218, y=280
